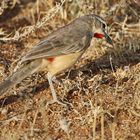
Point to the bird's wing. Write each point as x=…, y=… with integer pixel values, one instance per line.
x=58, y=46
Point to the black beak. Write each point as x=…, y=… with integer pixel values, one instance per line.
x=108, y=39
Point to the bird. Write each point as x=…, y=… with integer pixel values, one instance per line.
x=59, y=51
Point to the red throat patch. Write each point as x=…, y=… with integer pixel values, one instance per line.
x=98, y=35
x=50, y=59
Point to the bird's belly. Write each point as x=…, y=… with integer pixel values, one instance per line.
x=61, y=63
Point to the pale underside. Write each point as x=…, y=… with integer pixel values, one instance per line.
x=60, y=63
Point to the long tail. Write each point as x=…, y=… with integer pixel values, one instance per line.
x=19, y=75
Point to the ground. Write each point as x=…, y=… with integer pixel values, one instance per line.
x=103, y=88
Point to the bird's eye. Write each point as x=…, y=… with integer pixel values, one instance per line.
x=104, y=26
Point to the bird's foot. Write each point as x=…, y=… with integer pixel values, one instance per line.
x=55, y=100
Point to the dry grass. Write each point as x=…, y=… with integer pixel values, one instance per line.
x=103, y=87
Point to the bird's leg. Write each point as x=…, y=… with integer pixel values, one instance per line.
x=55, y=99
x=58, y=82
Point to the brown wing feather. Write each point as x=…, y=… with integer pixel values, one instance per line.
x=57, y=46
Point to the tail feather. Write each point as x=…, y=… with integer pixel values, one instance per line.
x=19, y=75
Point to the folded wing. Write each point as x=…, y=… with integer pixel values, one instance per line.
x=55, y=46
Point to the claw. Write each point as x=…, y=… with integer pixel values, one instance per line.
x=57, y=101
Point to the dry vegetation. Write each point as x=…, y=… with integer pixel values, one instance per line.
x=103, y=88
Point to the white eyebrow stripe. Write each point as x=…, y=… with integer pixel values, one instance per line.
x=101, y=20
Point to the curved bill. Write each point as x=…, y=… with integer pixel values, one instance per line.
x=108, y=39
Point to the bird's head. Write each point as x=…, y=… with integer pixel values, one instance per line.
x=99, y=28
